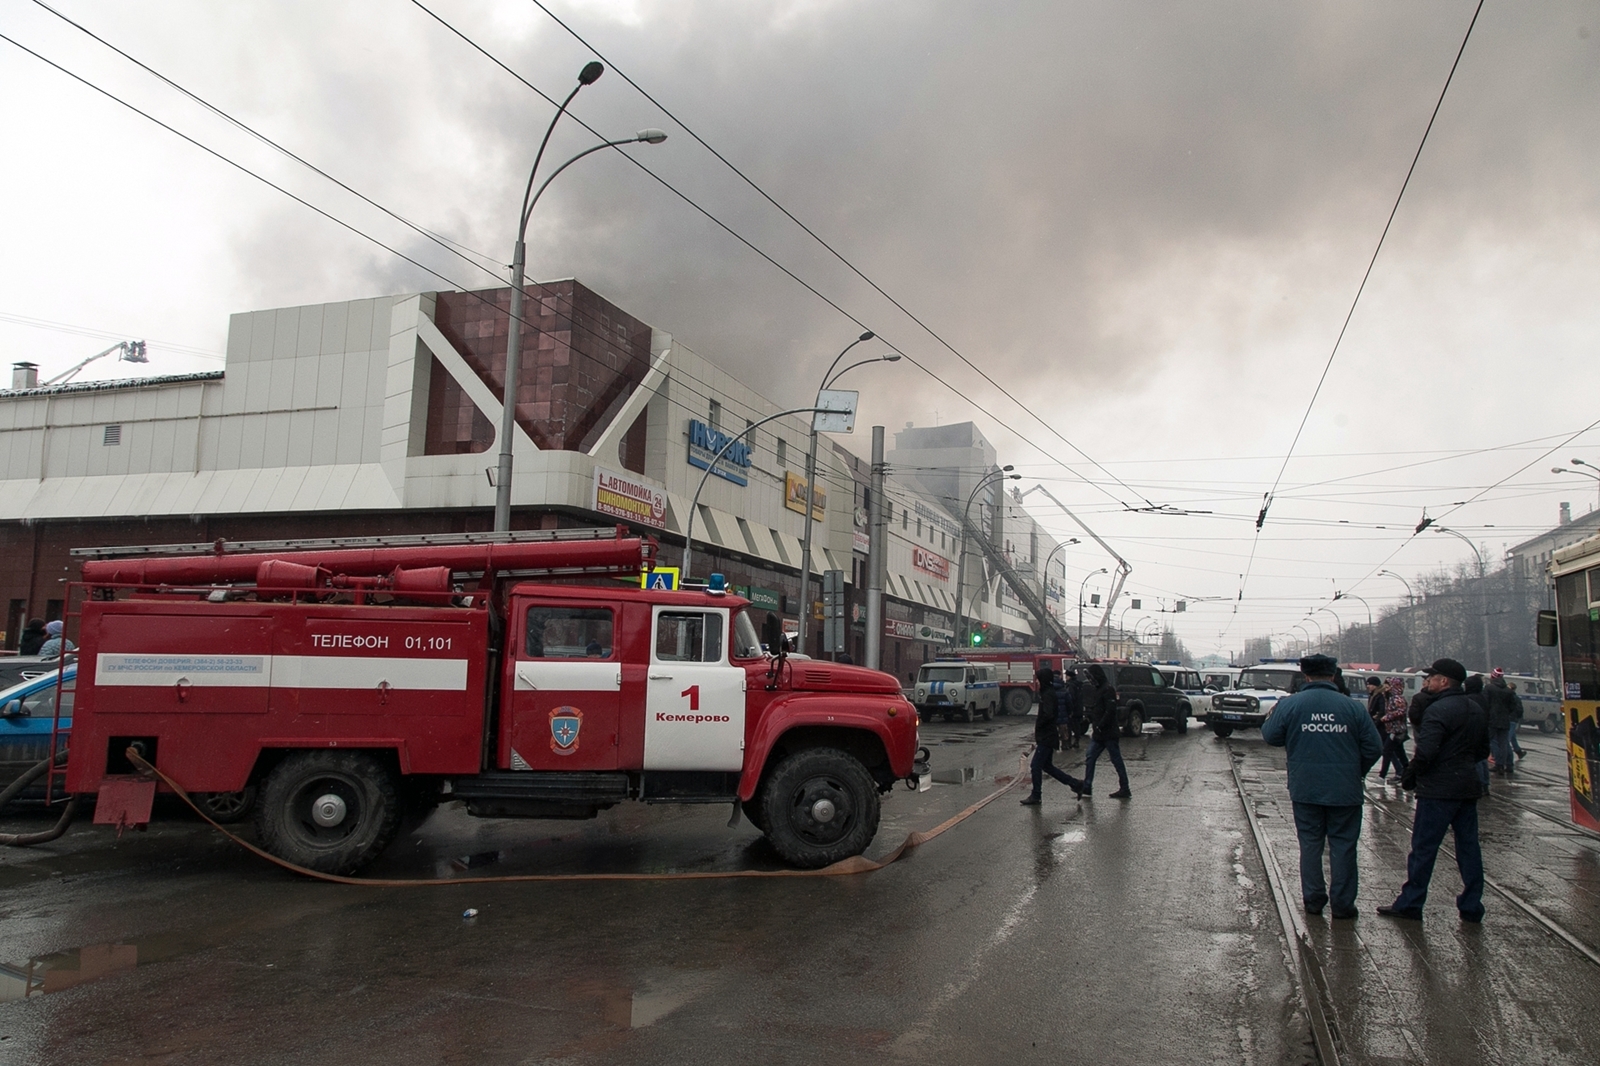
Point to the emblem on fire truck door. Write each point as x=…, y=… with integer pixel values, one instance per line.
x=565, y=723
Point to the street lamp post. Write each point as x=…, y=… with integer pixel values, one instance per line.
x=519, y=254
x=1368, y=606
x=1081, y=586
x=1483, y=585
x=1003, y=474
x=1411, y=609
x=1585, y=473
x=1304, y=630
x=694, y=504
x=1338, y=631
x=1322, y=641
x=811, y=476
x=1044, y=585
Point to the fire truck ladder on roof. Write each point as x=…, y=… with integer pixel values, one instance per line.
x=1024, y=590
x=416, y=540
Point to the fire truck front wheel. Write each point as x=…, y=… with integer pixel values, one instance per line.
x=1017, y=701
x=329, y=811
x=821, y=806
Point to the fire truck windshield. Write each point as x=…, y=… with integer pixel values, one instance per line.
x=746, y=644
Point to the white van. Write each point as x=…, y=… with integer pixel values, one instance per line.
x=956, y=688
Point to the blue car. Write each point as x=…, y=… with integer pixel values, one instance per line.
x=27, y=715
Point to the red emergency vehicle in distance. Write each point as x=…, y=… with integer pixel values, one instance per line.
x=350, y=686
x=1019, y=667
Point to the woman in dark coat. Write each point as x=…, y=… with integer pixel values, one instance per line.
x=1046, y=737
x=33, y=636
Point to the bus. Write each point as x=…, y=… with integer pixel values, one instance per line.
x=1574, y=629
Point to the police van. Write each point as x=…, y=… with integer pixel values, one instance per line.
x=955, y=688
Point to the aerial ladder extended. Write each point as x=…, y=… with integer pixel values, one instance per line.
x=1102, y=631
x=131, y=352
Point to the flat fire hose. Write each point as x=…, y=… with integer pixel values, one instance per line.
x=856, y=864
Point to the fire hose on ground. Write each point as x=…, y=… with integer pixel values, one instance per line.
x=28, y=777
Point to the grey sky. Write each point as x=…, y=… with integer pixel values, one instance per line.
x=1147, y=220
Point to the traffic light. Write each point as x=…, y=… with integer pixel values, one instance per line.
x=980, y=635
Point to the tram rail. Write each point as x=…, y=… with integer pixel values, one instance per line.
x=1304, y=962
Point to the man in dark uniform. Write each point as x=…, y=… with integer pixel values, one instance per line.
x=1453, y=736
x=1331, y=745
x=1046, y=737
x=1100, y=704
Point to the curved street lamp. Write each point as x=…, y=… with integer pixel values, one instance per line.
x=1368, y=606
x=1304, y=630
x=1585, y=473
x=1411, y=604
x=1003, y=474
x=811, y=476
x=508, y=416
x=1322, y=641
x=1338, y=631
x=1483, y=585
x=1081, y=586
x=694, y=504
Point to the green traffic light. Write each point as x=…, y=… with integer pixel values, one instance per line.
x=977, y=638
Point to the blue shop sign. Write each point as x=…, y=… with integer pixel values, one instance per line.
x=705, y=443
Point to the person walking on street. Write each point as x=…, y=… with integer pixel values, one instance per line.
x=1069, y=715
x=1394, y=728
x=1453, y=737
x=1377, y=701
x=1516, y=722
x=1046, y=737
x=1502, y=706
x=1100, y=704
x=1473, y=687
x=1331, y=745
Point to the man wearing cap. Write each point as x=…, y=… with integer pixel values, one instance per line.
x=1331, y=744
x=1453, y=736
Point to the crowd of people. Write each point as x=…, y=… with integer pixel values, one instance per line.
x=1459, y=724
x=1458, y=721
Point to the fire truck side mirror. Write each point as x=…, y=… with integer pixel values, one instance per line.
x=1546, y=634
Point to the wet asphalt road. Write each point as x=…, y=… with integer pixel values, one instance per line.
x=1105, y=932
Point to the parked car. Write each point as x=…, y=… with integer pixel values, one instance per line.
x=955, y=688
x=27, y=717
x=1191, y=684
x=1144, y=695
x=1253, y=699
x=15, y=669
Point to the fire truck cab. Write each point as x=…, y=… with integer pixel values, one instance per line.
x=349, y=693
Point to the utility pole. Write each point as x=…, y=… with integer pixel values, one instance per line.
x=875, y=556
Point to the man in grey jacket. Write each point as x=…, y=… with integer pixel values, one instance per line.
x=1331, y=744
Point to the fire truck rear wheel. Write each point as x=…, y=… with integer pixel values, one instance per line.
x=820, y=806
x=329, y=811
x=1018, y=701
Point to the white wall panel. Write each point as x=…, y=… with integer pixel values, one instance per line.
x=252, y=440
x=324, y=438
x=301, y=425
x=285, y=333
x=275, y=443
x=335, y=321
x=358, y=328
x=309, y=340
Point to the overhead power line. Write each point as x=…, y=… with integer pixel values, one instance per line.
x=831, y=250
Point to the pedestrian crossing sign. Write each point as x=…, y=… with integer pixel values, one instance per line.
x=662, y=577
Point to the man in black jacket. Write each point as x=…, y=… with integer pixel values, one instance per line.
x=1454, y=735
x=1502, y=712
x=1100, y=704
x=1046, y=736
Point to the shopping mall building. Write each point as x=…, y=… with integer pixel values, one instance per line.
x=379, y=417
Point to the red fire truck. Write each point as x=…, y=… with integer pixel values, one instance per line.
x=350, y=686
x=1018, y=666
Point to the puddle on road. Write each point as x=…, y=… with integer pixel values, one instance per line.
x=957, y=775
x=65, y=969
